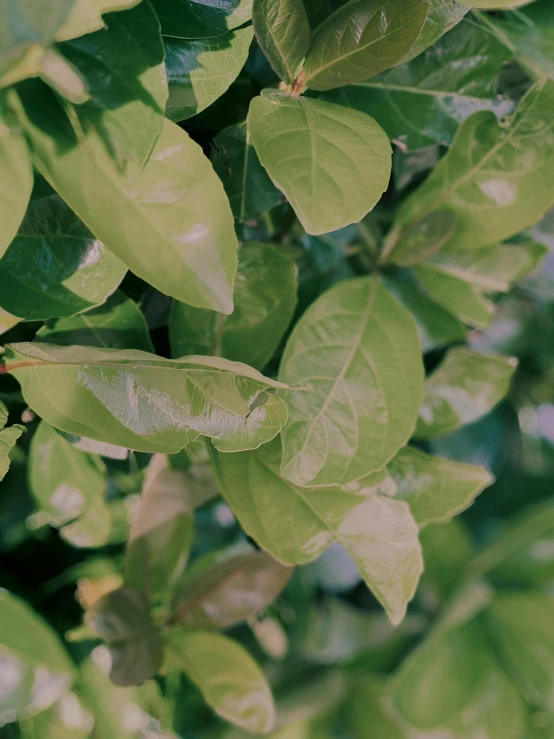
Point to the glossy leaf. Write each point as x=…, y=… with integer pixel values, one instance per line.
x=496, y=179
x=361, y=39
x=343, y=157
x=140, y=401
x=122, y=619
x=443, y=15
x=247, y=184
x=463, y=388
x=283, y=32
x=179, y=238
x=296, y=524
x=55, y=266
x=117, y=324
x=264, y=298
x=229, y=679
x=8, y=439
x=356, y=361
x=199, y=71
x=206, y=19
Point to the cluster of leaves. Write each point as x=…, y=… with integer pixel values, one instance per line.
x=243, y=332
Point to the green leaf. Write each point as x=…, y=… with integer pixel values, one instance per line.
x=264, y=299
x=85, y=16
x=424, y=238
x=447, y=551
x=122, y=66
x=122, y=619
x=423, y=102
x=55, y=266
x=7, y=321
x=199, y=71
x=495, y=178
x=354, y=362
x=283, y=32
x=361, y=39
x=8, y=439
x=343, y=156
x=3, y=415
x=33, y=658
x=144, y=402
x=247, y=184
x=96, y=447
x=117, y=324
x=201, y=18
x=64, y=481
x=179, y=236
x=443, y=15
x=435, y=488
x=229, y=679
x=296, y=524
x=93, y=529
x=230, y=592
x=16, y=183
x=496, y=4
x=66, y=719
x=465, y=387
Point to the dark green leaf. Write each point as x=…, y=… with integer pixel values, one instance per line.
x=201, y=18
x=443, y=15
x=283, y=32
x=424, y=238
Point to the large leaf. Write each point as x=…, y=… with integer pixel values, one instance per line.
x=497, y=4
x=337, y=162
x=55, y=266
x=354, y=362
x=8, y=439
x=85, y=16
x=495, y=178
x=438, y=90
x=361, y=39
x=443, y=15
x=264, y=298
x=283, y=33
x=144, y=402
x=463, y=388
x=247, y=184
x=201, y=18
x=170, y=222
x=199, y=71
x=296, y=524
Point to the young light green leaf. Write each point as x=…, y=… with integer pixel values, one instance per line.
x=8, y=439
x=122, y=618
x=247, y=184
x=199, y=71
x=117, y=324
x=361, y=39
x=435, y=488
x=424, y=238
x=206, y=19
x=85, y=16
x=354, y=362
x=144, y=402
x=178, y=236
x=296, y=524
x=264, y=299
x=55, y=266
x=495, y=178
x=342, y=155
x=443, y=15
x=465, y=387
x=98, y=526
x=7, y=321
x=283, y=32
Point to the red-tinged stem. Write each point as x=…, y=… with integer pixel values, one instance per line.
x=16, y=365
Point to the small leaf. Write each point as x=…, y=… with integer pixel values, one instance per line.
x=355, y=360
x=206, y=19
x=8, y=439
x=122, y=619
x=465, y=387
x=343, y=156
x=283, y=32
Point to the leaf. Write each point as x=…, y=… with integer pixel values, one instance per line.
x=117, y=324
x=201, y=18
x=465, y=387
x=443, y=15
x=7, y=321
x=122, y=619
x=199, y=71
x=170, y=222
x=283, y=32
x=247, y=184
x=423, y=102
x=34, y=659
x=264, y=299
x=296, y=524
x=229, y=593
x=144, y=402
x=424, y=238
x=496, y=179
x=229, y=679
x=85, y=16
x=361, y=39
x=8, y=439
x=343, y=157
x=435, y=488
x=16, y=183
x=55, y=266
x=95, y=447
x=122, y=66
x=64, y=481
x=356, y=361
x=496, y=4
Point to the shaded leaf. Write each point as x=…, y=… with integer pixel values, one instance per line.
x=206, y=19
x=443, y=15
x=85, y=16
x=424, y=238
x=283, y=32
x=8, y=439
